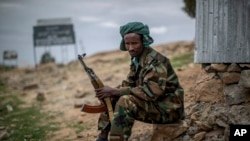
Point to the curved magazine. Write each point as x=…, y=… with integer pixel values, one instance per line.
x=93, y=109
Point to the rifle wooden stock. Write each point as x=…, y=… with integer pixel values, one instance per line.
x=97, y=83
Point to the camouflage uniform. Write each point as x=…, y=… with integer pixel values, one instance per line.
x=151, y=94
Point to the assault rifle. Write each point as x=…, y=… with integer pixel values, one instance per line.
x=97, y=83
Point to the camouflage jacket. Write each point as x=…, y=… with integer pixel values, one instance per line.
x=155, y=81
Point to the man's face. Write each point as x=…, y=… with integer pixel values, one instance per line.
x=133, y=44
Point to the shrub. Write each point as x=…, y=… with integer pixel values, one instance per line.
x=46, y=58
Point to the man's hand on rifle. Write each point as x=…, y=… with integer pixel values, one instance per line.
x=106, y=91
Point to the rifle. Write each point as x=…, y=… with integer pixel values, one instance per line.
x=97, y=83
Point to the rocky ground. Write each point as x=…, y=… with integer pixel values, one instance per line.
x=66, y=88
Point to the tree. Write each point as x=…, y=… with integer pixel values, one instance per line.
x=46, y=58
x=189, y=8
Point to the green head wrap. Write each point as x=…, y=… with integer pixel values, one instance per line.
x=136, y=27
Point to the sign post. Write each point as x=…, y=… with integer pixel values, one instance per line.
x=50, y=32
x=9, y=55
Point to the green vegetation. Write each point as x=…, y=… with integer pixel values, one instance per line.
x=182, y=60
x=122, y=60
x=46, y=58
x=189, y=7
x=79, y=127
x=22, y=123
x=6, y=68
x=2, y=87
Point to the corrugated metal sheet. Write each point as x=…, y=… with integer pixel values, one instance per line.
x=222, y=31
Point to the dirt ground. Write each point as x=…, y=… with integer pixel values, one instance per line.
x=66, y=88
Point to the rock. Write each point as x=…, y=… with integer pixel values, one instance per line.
x=220, y=67
x=28, y=137
x=186, y=138
x=65, y=77
x=211, y=119
x=204, y=65
x=204, y=126
x=221, y=123
x=168, y=132
x=209, y=69
x=206, y=112
x=245, y=79
x=40, y=96
x=235, y=94
x=3, y=134
x=245, y=66
x=215, y=133
x=83, y=114
x=193, y=117
x=9, y=108
x=79, y=136
x=239, y=114
x=226, y=134
x=190, y=108
x=230, y=78
x=78, y=104
x=209, y=89
x=192, y=130
x=234, y=68
x=80, y=95
x=200, y=136
x=30, y=86
x=48, y=67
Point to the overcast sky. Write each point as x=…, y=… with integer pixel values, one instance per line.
x=96, y=24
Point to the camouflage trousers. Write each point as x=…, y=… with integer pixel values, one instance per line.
x=129, y=108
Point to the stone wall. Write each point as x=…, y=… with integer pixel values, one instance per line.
x=230, y=83
x=222, y=97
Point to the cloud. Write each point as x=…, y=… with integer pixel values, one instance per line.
x=98, y=21
x=158, y=30
x=109, y=24
x=89, y=4
x=10, y=5
x=161, y=8
x=89, y=19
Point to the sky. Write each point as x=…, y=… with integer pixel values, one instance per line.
x=96, y=25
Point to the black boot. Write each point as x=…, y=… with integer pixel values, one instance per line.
x=103, y=136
